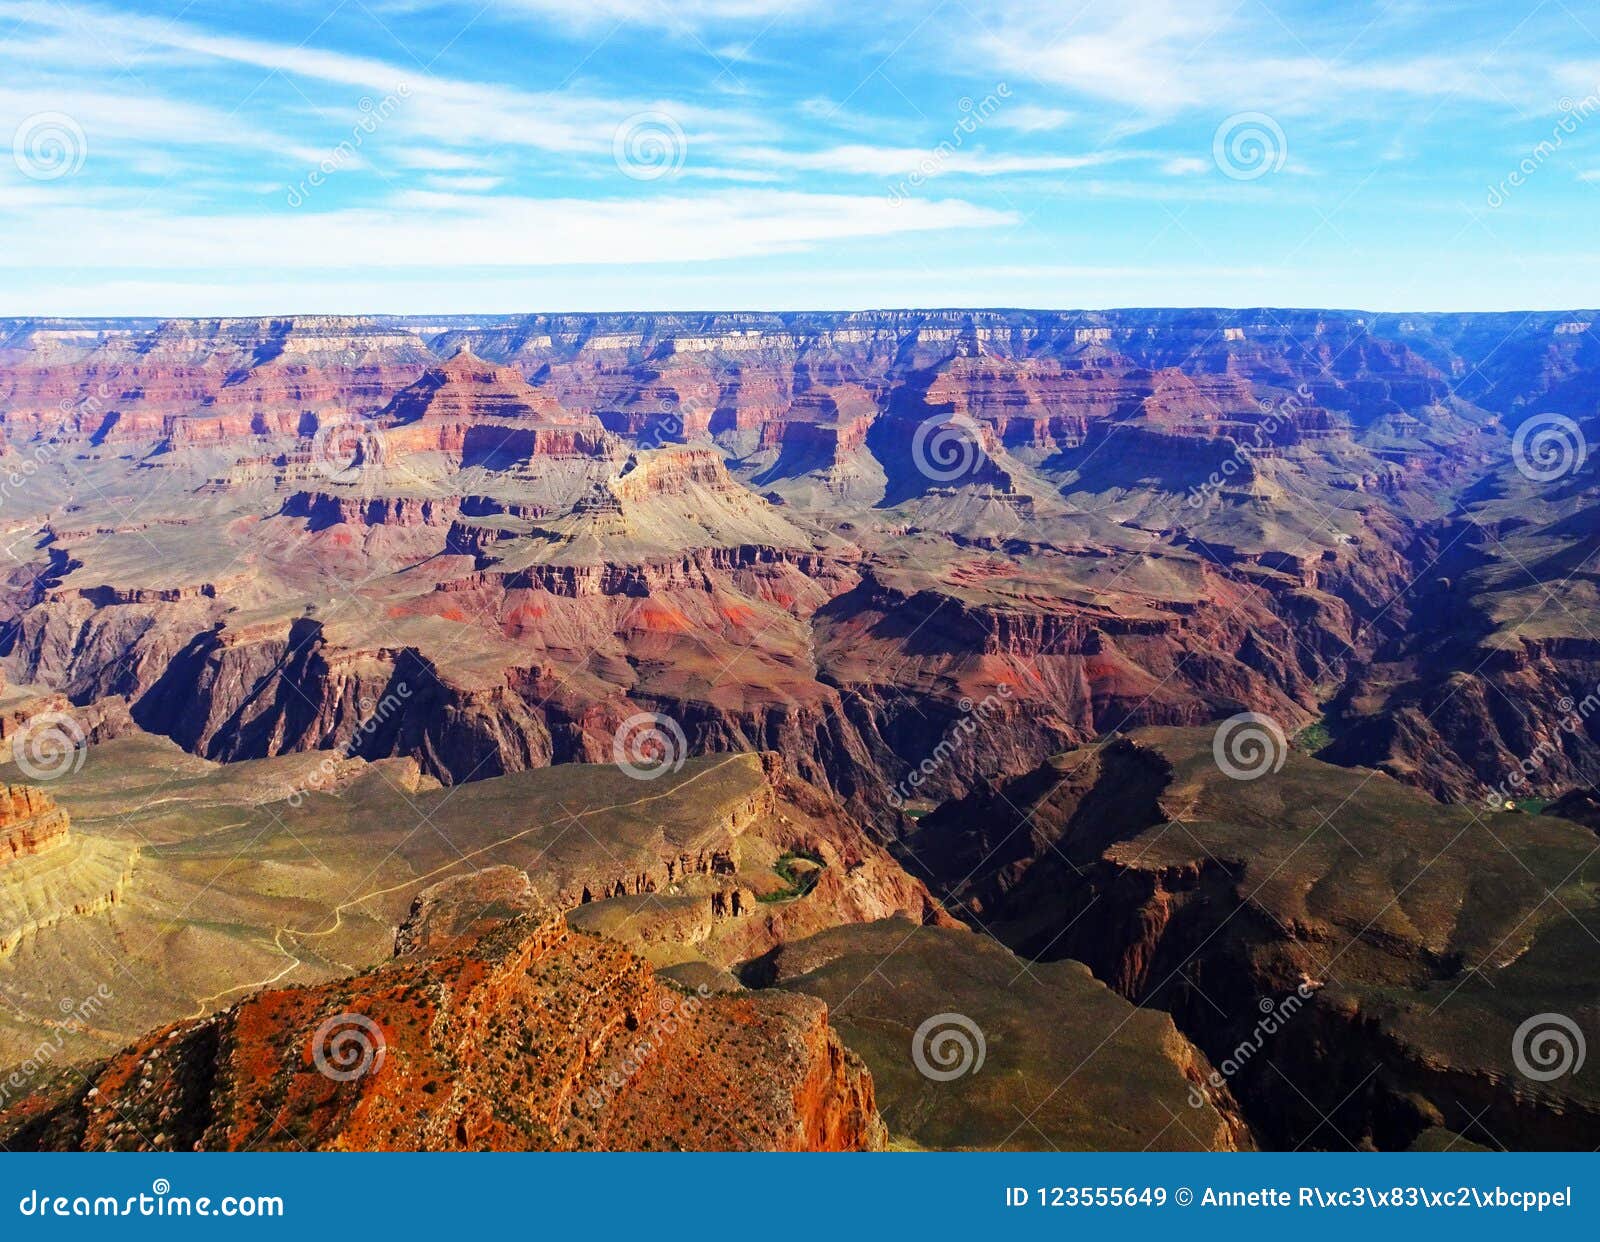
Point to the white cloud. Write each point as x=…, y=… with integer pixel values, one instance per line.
x=436, y=159
x=446, y=111
x=871, y=161
x=670, y=14
x=426, y=228
x=1164, y=56
x=466, y=184
x=1030, y=118
x=114, y=123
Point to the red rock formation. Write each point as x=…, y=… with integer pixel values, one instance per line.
x=535, y=1037
x=30, y=822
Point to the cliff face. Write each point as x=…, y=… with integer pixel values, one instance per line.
x=535, y=1037
x=822, y=534
x=1398, y=946
x=30, y=822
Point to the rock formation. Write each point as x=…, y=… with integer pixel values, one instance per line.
x=30, y=822
x=533, y=1037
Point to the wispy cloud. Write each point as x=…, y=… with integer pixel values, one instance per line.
x=427, y=228
x=873, y=161
x=1163, y=56
x=1031, y=119
x=670, y=14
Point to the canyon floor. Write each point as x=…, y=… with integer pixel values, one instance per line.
x=1134, y=730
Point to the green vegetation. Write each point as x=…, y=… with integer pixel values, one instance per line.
x=801, y=879
x=1313, y=737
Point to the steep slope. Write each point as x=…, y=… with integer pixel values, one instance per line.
x=191, y=884
x=1423, y=965
x=971, y=1047
x=534, y=1037
x=820, y=534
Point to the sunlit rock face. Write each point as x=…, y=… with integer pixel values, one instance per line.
x=815, y=534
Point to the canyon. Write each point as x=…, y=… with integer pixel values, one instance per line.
x=772, y=653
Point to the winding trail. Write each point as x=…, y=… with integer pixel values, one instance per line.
x=205, y=1005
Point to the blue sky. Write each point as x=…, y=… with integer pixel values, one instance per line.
x=407, y=156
